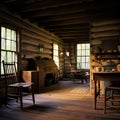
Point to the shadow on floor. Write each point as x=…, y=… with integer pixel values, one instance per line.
x=64, y=101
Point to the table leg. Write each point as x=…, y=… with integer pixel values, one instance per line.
x=95, y=94
x=99, y=89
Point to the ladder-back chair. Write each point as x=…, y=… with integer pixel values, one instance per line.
x=14, y=88
x=112, y=95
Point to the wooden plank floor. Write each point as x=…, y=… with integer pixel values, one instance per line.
x=64, y=101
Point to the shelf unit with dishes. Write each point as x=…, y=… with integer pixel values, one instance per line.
x=108, y=56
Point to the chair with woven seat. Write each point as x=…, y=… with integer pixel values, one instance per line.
x=112, y=95
x=15, y=89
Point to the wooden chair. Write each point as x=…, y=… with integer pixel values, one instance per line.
x=15, y=89
x=112, y=95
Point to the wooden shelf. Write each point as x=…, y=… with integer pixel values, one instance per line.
x=108, y=55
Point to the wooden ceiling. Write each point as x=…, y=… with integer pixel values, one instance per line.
x=68, y=19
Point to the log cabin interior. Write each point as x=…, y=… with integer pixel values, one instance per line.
x=60, y=40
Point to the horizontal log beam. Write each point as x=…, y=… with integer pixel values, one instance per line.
x=48, y=4
x=76, y=40
x=82, y=7
x=63, y=23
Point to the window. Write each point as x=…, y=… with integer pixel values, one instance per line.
x=9, y=48
x=83, y=56
x=56, y=54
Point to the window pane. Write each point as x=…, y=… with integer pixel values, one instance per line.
x=88, y=59
x=79, y=59
x=13, y=35
x=83, y=53
x=9, y=57
x=8, y=34
x=79, y=65
x=83, y=59
x=7, y=44
x=79, y=53
x=56, y=58
x=12, y=57
x=2, y=68
x=83, y=66
x=55, y=52
x=2, y=32
x=55, y=46
x=13, y=45
x=88, y=65
x=88, y=52
x=3, y=56
x=87, y=46
x=83, y=46
x=78, y=46
x=2, y=43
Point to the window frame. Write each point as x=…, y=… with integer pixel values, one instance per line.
x=84, y=53
x=56, y=54
x=13, y=50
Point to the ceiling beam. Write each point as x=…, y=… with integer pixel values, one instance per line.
x=65, y=22
x=45, y=4
x=69, y=9
x=72, y=32
x=76, y=40
x=76, y=15
x=67, y=27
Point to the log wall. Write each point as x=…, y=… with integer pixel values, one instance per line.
x=31, y=37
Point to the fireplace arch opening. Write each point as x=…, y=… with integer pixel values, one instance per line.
x=49, y=79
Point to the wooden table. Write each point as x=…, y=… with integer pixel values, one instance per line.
x=103, y=76
x=79, y=76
